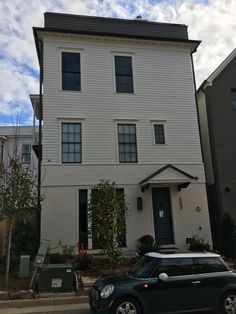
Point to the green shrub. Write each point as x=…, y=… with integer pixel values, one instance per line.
x=83, y=262
x=68, y=250
x=228, y=236
x=147, y=244
x=199, y=244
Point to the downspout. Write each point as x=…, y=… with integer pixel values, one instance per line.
x=40, y=140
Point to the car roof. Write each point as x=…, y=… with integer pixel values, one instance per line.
x=182, y=255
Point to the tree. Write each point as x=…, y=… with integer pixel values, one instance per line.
x=107, y=214
x=18, y=199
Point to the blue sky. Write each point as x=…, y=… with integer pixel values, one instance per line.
x=212, y=21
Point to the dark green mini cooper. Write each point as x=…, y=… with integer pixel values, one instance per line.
x=168, y=283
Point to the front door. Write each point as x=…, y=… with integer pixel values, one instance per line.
x=162, y=215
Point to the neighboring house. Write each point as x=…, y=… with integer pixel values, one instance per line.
x=119, y=103
x=217, y=111
x=12, y=139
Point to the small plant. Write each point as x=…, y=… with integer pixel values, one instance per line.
x=83, y=261
x=147, y=244
x=198, y=244
x=57, y=258
x=68, y=250
x=228, y=236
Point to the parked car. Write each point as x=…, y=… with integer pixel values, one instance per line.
x=168, y=283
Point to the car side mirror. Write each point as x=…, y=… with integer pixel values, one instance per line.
x=163, y=277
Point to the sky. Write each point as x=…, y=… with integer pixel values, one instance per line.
x=211, y=21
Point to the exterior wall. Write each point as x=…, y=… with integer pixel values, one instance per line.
x=222, y=124
x=163, y=91
x=186, y=220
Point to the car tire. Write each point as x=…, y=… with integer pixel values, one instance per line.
x=228, y=303
x=126, y=303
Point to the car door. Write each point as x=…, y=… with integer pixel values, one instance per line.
x=179, y=291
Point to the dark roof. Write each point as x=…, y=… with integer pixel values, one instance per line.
x=114, y=27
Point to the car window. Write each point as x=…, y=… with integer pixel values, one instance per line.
x=209, y=265
x=176, y=267
x=145, y=267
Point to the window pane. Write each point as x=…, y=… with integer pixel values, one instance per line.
x=233, y=95
x=159, y=134
x=71, y=142
x=209, y=265
x=124, y=74
x=26, y=154
x=127, y=143
x=177, y=266
x=124, y=84
x=71, y=71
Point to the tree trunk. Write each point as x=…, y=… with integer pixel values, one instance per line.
x=8, y=253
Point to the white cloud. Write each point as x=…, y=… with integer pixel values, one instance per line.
x=214, y=23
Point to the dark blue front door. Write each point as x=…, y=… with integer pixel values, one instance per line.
x=162, y=215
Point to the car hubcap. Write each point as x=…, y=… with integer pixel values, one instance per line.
x=230, y=304
x=126, y=308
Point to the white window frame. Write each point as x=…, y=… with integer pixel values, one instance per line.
x=128, y=121
x=72, y=50
x=70, y=120
x=156, y=122
x=123, y=54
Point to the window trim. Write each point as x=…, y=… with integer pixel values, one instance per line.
x=79, y=121
x=30, y=155
x=70, y=50
x=158, y=122
x=118, y=122
x=123, y=54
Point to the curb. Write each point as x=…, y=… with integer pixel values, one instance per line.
x=52, y=301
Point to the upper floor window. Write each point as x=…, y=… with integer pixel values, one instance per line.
x=26, y=153
x=71, y=142
x=71, y=76
x=159, y=134
x=124, y=74
x=127, y=143
x=233, y=95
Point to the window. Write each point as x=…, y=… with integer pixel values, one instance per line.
x=209, y=265
x=176, y=266
x=71, y=142
x=233, y=95
x=71, y=71
x=124, y=74
x=127, y=143
x=26, y=153
x=159, y=134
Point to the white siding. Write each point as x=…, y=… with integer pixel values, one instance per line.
x=163, y=91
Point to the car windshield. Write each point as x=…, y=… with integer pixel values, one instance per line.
x=145, y=267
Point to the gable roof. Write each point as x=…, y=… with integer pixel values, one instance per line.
x=168, y=174
x=218, y=70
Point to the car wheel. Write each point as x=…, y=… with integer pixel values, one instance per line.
x=126, y=306
x=228, y=303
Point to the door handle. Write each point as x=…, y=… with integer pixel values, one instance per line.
x=196, y=282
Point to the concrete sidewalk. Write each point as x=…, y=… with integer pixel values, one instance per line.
x=49, y=304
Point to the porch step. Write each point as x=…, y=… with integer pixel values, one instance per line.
x=168, y=249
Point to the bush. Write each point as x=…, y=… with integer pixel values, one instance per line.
x=82, y=262
x=68, y=250
x=228, y=236
x=199, y=244
x=147, y=244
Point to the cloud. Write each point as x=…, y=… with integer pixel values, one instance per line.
x=211, y=21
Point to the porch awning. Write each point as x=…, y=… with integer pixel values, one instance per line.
x=168, y=174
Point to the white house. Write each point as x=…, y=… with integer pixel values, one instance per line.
x=119, y=103
x=16, y=140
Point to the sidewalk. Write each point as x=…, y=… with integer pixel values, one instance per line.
x=44, y=304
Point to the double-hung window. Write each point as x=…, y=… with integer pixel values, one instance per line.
x=70, y=67
x=233, y=96
x=26, y=153
x=159, y=134
x=127, y=143
x=124, y=74
x=71, y=142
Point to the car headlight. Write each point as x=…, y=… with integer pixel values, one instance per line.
x=106, y=291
